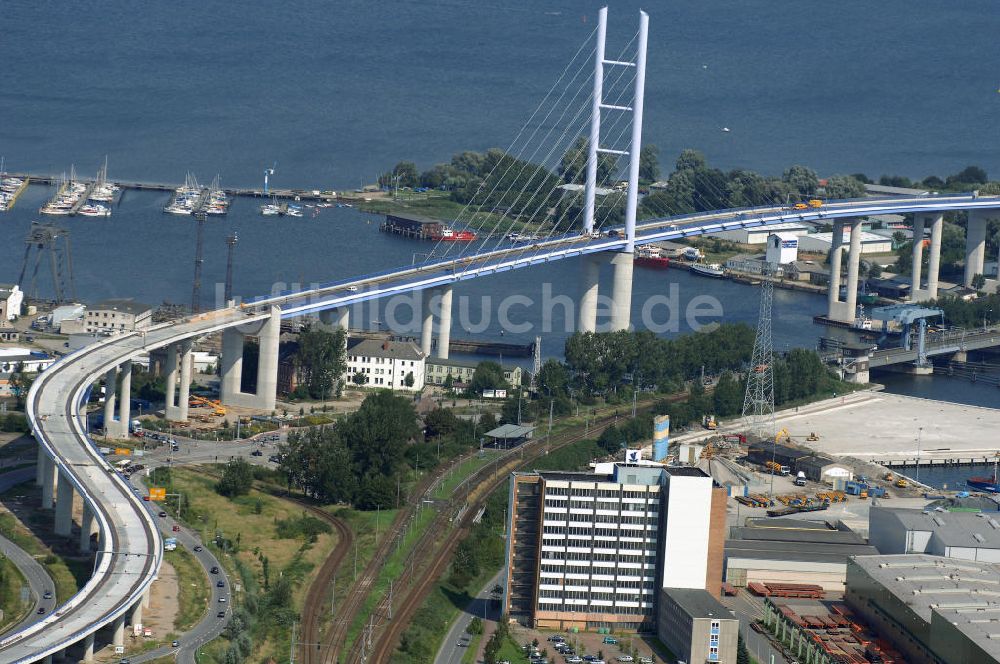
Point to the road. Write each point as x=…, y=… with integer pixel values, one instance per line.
x=38, y=579
x=450, y=651
x=210, y=625
x=748, y=609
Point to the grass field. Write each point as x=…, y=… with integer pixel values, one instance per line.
x=11, y=582
x=66, y=574
x=193, y=588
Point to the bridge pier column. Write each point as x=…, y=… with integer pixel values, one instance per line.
x=853, y=265
x=170, y=385
x=232, y=365
x=40, y=466
x=444, y=324
x=125, y=400
x=934, y=264
x=621, y=291
x=975, y=246
x=339, y=317
x=86, y=527
x=48, y=482
x=587, y=319
x=184, y=391
x=136, y=618
x=48, y=659
x=267, y=365
x=88, y=648
x=64, y=507
x=836, y=256
x=426, y=322
x=110, y=384
x=918, y=257
x=118, y=631
x=145, y=599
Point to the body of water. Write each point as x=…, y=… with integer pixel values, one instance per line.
x=337, y=92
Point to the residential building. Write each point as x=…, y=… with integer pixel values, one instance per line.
x=696, y=626
x=11, y=299
x=461, y=372
x=934, y=610
x=116, y=316
x=962, y=535
x=386, y=364
x=593, y=550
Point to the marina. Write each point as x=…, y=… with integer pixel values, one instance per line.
x=11, y=189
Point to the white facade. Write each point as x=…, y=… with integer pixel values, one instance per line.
x=386, y=364
x=11, y=299
x=782, y=248
x=116, y=316
x=760, y=234
x=822, y=242
x=687, y=523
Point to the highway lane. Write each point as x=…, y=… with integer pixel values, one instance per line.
x=38, y=579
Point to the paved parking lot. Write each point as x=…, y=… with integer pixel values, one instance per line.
x=587, y=643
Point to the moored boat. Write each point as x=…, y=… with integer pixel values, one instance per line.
x=651, y=257
x=713, y=270
x=451, y=235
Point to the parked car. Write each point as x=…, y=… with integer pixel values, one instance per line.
x=610, y=640
x=162, y=515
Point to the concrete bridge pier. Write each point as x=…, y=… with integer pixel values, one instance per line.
x=64, y=507
x=975, y=246
x=444, y=295
x=444, y=324
x=587, y=318
x=170, y=385
x=340, y=317
x=853, y=265
x=836, y=309
x=621, y=291
x=184, y=389
x=934, y=263
x=136, y=618
x=86, y=524
x=48, y=482
x=40, y=466
x=124, y=400
x=232, y=393
x=918, y=257
x=110, y=385
x=88, y=648
x=118, y=631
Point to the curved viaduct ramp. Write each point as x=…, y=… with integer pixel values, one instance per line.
x=131, y=547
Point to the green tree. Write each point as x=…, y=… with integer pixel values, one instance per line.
x=20, y=384
x=742, y=654
x=649, y=163
x=237, y=477
x=321, y=359
x=978, y=281
x=408, y=380
x=359, y=378
x=573, y=166
x=844, y=186
x=803, y=179
x=487, y=376
x=728, y=396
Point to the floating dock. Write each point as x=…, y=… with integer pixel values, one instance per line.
x=25, y=181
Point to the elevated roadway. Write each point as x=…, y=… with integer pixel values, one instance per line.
x=131, y=546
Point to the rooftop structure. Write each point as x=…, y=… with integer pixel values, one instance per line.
x=963, y=535
x=933, y=609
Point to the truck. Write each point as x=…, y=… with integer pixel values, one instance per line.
x=709, y=422
x=800, y=479
x=776, y=468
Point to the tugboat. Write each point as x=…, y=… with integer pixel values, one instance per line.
x=651, y=257
x=451, y=235
x=984, y=483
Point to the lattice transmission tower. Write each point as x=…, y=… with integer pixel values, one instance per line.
x=758, y=404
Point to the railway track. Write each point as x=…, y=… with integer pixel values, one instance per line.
x=436, y=547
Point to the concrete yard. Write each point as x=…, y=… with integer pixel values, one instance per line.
x=876, y=426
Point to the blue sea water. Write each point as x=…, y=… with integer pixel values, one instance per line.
x=335, y=92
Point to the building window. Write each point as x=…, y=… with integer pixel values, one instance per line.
x=713, y=654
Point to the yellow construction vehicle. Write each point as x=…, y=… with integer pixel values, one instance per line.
x=781, y=435
x=800, y=206
x=902, y=483
x=709, y=422
x=218, y=409
x=708, y=451
x=812, y=436
x=815, y=202
x=888, y=477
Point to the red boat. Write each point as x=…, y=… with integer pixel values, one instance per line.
x=450, y=235
x=650, y=257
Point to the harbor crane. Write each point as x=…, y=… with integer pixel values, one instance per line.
x=267, y=173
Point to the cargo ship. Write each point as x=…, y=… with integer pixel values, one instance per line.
x=451, y=235
x=985, y=483
x=651, y=257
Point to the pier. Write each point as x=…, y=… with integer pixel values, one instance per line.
x=286, y=194
x=15, y=194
